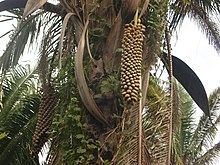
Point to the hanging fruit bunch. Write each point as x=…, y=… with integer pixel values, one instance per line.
x=132, y=45
x=44, y=119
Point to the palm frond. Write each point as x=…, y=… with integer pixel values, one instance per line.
x=156, y=122
x=200, y=12
x=65, y=21
x=30, y=30
x=18, y=114
x=209, y=6
x=19, y=126
x=213, y=99
x=204, y=134
x=191, y=139
x=17, y=84
x=207, y=25
x=15, y=48
x=209, y=131
x=187, y=123
x=81, y=82
x=210, y=156
x=179, y=9
x=129, y=150
x=177, y=13
x=177, y=150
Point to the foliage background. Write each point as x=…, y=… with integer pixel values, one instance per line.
x=193, y=50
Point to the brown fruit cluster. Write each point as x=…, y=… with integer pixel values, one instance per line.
x=44, y=120
x=132, y=45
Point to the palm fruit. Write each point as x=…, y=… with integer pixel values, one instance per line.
x=44, y=119
x=131, y=60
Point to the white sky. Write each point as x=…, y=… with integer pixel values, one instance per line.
x=191, y=46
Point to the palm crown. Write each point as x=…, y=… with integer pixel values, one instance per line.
x=82, y=113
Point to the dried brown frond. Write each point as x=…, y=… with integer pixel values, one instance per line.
x=156, y=122
x=130, y=151
x=84, y=92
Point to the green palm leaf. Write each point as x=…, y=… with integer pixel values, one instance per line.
x=20, y=105
x=202, y=12
x=15, y=48
x=29, y=31
x=17, y=84
x=192, y=139
x=204, y=134
x=210, y=155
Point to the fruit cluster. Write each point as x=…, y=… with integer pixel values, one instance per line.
x=132, y=45
x=44, y=120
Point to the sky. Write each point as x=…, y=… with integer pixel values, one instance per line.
x=190, y=45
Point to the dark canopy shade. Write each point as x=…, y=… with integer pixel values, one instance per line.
x=12, y=4
x=190, y=81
